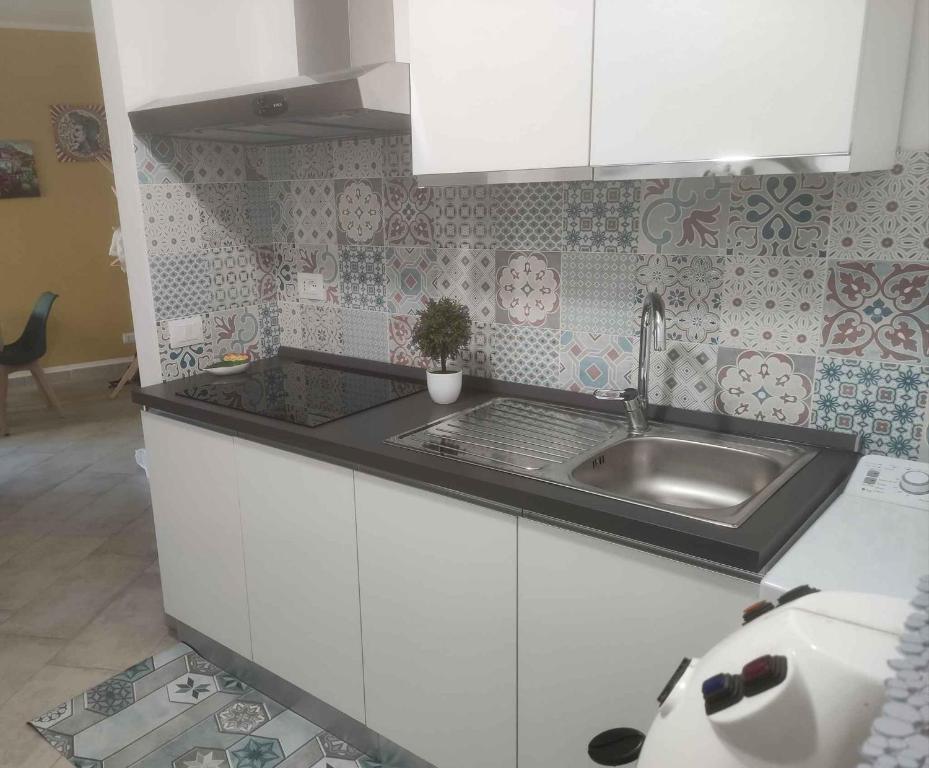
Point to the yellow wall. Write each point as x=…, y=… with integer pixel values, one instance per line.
x=58, y=241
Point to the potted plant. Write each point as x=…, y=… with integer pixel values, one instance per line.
x=443, y=330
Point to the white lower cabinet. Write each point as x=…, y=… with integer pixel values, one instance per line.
x=601, y=629
x=438, y=612
x=298, y=523
x=199, y=532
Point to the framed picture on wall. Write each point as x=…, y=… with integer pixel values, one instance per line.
x=18, y=177
x=80, y=132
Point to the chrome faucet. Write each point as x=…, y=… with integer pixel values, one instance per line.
x=651, y=336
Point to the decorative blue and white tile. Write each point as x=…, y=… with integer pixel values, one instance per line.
x=54, y=715
x=529, y=288
x=883, y=214
x=365, y=334
x=182, y=284
x=692, y=289
x=172, y=218
x=772, y=387
x=257, y=163
x=215, y=161
x=236, y=330
x=332, y=746
x=358, y=158
x=398, y=156
x=303, y=212
x=528, y=216
x=301, y=161
x=317, y=259
x=780, y=215
x=269, y=316
x=323, y=328
x=602, y=216
x=290, y=319
x=475, y=360
x=465, y=217
x=256, y=752
x=592, y=361
x=191, y=688
x=258, y=204
x=400, y=347
x=241, y=717
x=234, y=277
x=467, y=276
x=409, y=213
x=362, y=278
x=196, y=663
x=224, y=214
x=598, y=293
x=878, y=310
x=683, y=376
x=525, y=354
x=109, y=697
x=885, y=403
x=163, y=160
x=773, y=303
x=267, y=271
x=202, y=757
x=684, y=216
x=408, y=271
x=359, y=212
x=186, y=360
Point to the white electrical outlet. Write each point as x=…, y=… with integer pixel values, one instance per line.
x=185, y=331
x=129, y=338
x=310, y=286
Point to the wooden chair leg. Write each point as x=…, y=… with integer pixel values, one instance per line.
x=126, y=377
x=45, y=387
x=4, y=388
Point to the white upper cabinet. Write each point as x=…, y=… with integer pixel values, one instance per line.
x=500, y=86
x=684, y=81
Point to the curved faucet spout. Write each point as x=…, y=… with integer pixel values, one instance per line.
x=652, y=335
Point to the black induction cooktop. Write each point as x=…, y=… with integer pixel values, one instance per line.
x=307, y=394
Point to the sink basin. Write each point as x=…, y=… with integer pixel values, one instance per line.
x=718, y=478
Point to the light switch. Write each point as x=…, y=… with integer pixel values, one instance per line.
x=185, y=331
x=310, y=286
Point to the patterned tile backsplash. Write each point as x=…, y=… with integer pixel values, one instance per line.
x=799, y=299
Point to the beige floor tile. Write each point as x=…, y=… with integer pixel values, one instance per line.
x=71, y=603
x=45, y=513
x=109, y=512
x=20, y=659
x=130, y=628
x=136, y=539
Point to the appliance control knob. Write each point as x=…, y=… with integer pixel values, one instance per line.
x=915, y=481
x=755, y=610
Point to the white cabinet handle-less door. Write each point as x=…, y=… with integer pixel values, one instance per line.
x=691, y=80
x=500, y=85
x=199, y=530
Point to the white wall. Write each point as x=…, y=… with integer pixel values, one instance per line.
x=914, y=125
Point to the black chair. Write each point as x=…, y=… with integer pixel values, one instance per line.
x=24, y=354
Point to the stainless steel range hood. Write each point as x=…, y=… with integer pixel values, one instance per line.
x=353, y=81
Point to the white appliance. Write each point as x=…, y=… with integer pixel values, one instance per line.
x=873, y=538
x=797, y=687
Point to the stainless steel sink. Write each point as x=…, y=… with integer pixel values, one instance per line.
x=721, y=479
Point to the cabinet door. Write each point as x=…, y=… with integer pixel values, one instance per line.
x=678, y=80
x=438, y=615
x=198, y=529
x=298, y=521
x=601, y=629
x=500, y=85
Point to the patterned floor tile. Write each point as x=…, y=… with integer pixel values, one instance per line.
x=883, y=214
x=683, y=376
x=303, y=212
x=602, y=216
x=323, y=328
x=467, y=276
x=525, y=354
x=773, y=303
x=163, y=160
x=877, y=310
x=256, y=752
x=300, y=161
x=362, y=278
x=885, y=403
x=182, y=284
x=780, y=215
x=217, y=161
x=224, y=216
x=398, y=156
x=365, y=334
x=692, y=289
x=766, y=387
x=186, y=360
x=528, y=216
x=401, y=350
x=234, y=277
x=359, y=212
x=202, y=757
x=358, y=158
x=592, y=361
x=172, y=218
x=236, y=330
x=408, y=271
x=688, y=216
x=529, y=288
x=409, y=213
x=465, y=217
x=598, y=293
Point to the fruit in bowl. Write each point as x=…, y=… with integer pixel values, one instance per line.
x=236, y=360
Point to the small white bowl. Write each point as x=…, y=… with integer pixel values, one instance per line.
x=229, y=370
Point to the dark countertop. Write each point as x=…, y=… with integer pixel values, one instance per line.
x=357, y=441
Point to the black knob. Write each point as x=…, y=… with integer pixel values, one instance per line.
x=618, y=746
x=796, y=593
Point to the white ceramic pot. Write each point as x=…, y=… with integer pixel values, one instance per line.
x=444, y=388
